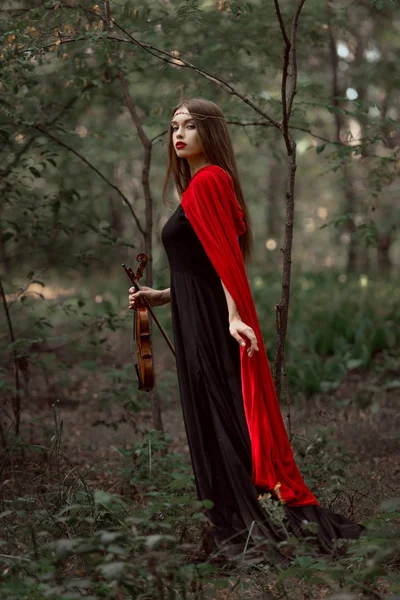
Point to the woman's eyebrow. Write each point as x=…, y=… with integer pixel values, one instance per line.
x=184, y=120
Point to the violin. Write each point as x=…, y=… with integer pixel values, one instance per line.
x=141, y=329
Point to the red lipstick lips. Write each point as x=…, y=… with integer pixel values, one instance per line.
x=180, y=145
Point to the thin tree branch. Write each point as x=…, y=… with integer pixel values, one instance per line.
x=184, y=63
x=282, y=309
x=147, y=148
x=334, y=60
x=281, y=23
x=293, y=57
x=131, y=106
x=29, y=143
x=147, y=238
x=89, y=164
x=319, y=137
x=286, y=53
x=231, y=89
x=172, y=60
x=17, y=400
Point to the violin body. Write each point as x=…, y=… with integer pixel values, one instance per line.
x=141, y=331
x=144, y=364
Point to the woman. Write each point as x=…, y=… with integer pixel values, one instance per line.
x=238, y=443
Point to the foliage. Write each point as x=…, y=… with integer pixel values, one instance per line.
x=338, y=326
x=63, y=538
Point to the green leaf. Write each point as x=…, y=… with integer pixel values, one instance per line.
x=153, y=540
x=336, y=110
x=65, y=547
x=113, y=570
x=108, y=537
x=329, y=386
x=392, y=385
x=354, y=363
x=35, y=172
x=102, y=497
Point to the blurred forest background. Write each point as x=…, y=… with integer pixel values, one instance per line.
x=97, y=494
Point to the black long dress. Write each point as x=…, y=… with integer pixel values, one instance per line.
x=208, y=369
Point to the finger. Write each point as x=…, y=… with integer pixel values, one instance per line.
x=253, y=348
x=252, y=337
x=239, y=339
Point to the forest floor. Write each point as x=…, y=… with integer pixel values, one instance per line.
x=362, y=417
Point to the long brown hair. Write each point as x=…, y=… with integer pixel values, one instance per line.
x=216, y=143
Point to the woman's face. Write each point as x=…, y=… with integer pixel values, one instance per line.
x=184, y=131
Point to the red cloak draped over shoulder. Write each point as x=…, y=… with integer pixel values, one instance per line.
x=211, y=206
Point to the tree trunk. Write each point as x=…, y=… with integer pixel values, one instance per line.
x=383, y=258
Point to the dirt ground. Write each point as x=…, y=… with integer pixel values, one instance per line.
x=363, y=416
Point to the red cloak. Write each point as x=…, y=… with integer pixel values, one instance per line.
x=211, y=206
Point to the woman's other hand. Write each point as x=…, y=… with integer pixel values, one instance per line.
x=153, y=297
x=238, y=330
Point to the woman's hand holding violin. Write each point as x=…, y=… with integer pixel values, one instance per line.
x=153, y=297
x=238, y=329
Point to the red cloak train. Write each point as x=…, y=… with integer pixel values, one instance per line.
x=211, y=206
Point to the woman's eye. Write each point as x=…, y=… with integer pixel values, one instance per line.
x=174, y=128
